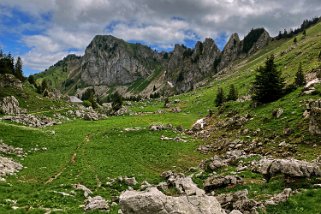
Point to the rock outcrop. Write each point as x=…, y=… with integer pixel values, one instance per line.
x=10, y=105
x=9, y=80
x=153, y=201
x=111, y=61
x=290, y=168
x=315, y=117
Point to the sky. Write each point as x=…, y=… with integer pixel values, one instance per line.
x=43, y=32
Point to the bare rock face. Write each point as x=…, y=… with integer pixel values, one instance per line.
x=263, y=41
x=153, y=201
x=10, y=105
x=315, y=117
x=110, y=61
x=290, y=168
x=231, y=50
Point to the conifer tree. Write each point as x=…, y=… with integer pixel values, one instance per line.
x=220, y=98
x=268, y=85
x=233, y=94
x=18, y=69
x=299, y=77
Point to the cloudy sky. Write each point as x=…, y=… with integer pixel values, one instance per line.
x=44, y=31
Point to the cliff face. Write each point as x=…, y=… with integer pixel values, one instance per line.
x=186, y=66
x=231, y=50
x=110, y=61
x=136, y=69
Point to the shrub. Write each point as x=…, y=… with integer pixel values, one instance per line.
x=220, y=98
x=86, y=103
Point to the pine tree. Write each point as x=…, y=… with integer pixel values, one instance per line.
x=18, y=69
x=299, y=77
x=220, y=98
x=154, y=88
x=31, y=80
x=233, y=94
x=268, y=85
x=295, y=40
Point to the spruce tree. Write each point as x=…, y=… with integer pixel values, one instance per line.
x=233, y=94
x=220, y=98
x=268, y=85
x=299, y=77
x=18, y=69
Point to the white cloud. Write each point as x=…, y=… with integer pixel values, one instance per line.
x=73, y=23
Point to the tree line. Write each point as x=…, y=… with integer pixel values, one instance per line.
x=305, y=25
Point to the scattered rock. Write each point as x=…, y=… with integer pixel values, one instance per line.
x=8, y=166
x=6, y=149
x=176, y=110
x=130, y=181
x=215, y=182
x=87, y=191
x=31, y=120
x=96, y=203
x=177, y=139
x=154, y=201
x=238, y=201
x=277, y=113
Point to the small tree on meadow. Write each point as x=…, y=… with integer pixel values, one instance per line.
x=299, y=77
x=233, y=94
x=269, y=84
x=295, y=40
x=220, y=98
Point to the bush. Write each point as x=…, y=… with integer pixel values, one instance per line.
x=86, y=103
x=117, y=101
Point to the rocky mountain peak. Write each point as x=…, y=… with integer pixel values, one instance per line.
x=231, y=50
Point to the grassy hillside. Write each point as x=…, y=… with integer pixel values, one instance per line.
x=90, y=152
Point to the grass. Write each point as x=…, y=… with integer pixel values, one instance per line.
x=103, y=150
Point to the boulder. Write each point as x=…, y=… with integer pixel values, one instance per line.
x=281, y=197
x=83, y=188
x=130, y=181
x=10, y=105
x=215, y=182
x=96, y=203
x=199, y=125
x=153, y=201
x=288, y=167
x=277, y=112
